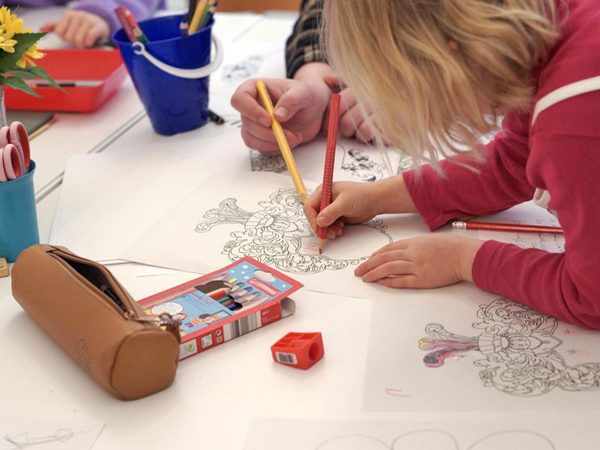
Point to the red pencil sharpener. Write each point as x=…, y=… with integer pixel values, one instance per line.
x=299, y=350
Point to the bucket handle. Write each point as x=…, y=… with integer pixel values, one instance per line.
x=201, y=72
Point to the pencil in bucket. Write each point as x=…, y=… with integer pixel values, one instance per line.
x=171, y=72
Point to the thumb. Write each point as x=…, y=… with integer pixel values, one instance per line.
x=332, y=213
x=289, y=104
x=50, y=26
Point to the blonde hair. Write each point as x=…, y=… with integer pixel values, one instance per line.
x=426, y=66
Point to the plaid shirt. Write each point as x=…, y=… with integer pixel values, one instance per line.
x=303, y=45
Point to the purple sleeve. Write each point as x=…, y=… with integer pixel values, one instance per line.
x=499, y=183
x=141, y=9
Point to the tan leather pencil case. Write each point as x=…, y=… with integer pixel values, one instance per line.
x=81, y=305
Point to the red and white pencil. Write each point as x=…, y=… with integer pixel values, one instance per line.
x=505, y=227
x=334, y=118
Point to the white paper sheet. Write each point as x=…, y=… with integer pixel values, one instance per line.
x=299, y=434
x=109, y=200
x=354, y=161
x=525, y=214
x=246, y=60
x=260, y=215
x=459, y=348
x=47, y=434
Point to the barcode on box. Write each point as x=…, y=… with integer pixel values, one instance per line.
x=241, y=326
x=286, y=358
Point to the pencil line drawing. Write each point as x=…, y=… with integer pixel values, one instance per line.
x=519, y=349
x=266, y=163
x=236, y=72
x=274, y=234
x=354, y=161
x=242, y=70
x=440, y=440
x=25, y=440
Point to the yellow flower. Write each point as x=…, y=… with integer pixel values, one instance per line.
x=7, y=44
x=9, y=27
x=32, y=53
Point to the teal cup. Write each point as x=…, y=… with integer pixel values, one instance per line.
x=18, y=216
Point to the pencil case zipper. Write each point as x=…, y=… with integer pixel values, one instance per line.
x=108, y=296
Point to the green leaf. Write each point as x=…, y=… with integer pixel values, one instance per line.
x=33, y=72
x=17, y=83
x=23, y=73
x=41, y=73
x=8, y=61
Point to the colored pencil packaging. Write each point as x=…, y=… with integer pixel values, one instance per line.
x=81, y=305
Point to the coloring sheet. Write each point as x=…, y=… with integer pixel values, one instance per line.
x=460, y=348
x=354, y=161
x=109, y=200
x=302, y=434
x=233, y=215
x=17, y=434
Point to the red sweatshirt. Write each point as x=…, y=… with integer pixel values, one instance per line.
x=560, y=153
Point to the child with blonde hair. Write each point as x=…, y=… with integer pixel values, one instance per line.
x=436, y=74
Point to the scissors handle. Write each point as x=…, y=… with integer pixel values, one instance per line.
x=18, y=137
x=11, y=161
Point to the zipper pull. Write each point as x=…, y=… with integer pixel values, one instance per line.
x=163, y=319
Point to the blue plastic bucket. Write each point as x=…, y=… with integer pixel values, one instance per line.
x=18, y=216
x=170, y=73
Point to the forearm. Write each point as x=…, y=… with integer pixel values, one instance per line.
x=394, y=196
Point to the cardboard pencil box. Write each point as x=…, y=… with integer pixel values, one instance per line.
x=225, y=304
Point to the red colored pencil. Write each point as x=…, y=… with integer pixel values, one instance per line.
x=125, y=24
x=137, y=31
x=334, y=118
x=506, y=227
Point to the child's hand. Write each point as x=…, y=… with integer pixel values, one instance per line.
x=421, y=262
x=352, y=203
x=299, y=106
x=80, y=28
x=352, y=123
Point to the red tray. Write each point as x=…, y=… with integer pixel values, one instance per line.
x=103, y=66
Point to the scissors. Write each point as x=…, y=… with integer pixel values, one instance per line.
x=15, y=154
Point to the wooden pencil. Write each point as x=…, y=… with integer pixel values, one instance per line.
x=282, y=142
x=505, y=227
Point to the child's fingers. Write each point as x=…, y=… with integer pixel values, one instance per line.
x=333, y=212
x=311, y=208
x=83, y=32
x=48, y=28
x=257, y=130
x=73, y=30
x=92, y=36
x=245, y=100
x=363, y=132
x=62, y=25
x=265, y=147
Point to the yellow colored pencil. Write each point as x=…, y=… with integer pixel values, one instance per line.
x=283, y=143
x=197, y=17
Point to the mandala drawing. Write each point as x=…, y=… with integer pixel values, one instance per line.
x=519, y=351
x=273, y=235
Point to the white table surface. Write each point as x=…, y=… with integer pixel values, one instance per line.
x=216, y=394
